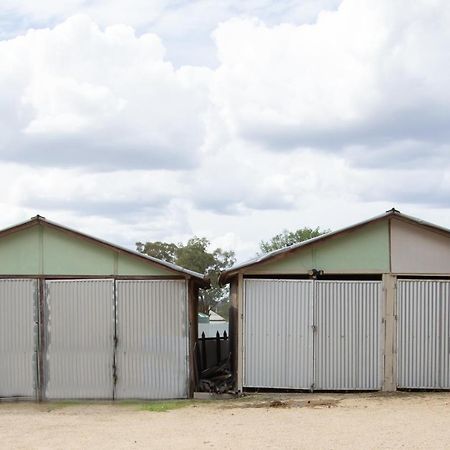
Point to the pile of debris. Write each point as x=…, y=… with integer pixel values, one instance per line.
x=217, y=379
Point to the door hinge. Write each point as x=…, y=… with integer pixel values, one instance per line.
x=311, y=387
x=314, y=327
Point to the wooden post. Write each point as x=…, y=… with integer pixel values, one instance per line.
x=390, y=333
x=192, y=299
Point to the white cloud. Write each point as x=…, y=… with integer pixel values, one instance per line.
x=184, y=25
x=78, y=95
x=318, y=124
x=366, y=73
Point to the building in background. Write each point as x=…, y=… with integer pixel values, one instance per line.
x=212, y=324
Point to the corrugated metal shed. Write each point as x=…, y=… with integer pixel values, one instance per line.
x=84, y=318
x=362, y=276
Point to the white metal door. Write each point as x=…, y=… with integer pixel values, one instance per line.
x=18, y=337
x=348, y=337
x=278, y=334
x=79, y=339
x=152, y=333
x=423, y=310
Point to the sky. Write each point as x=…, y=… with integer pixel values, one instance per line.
x=161, y=120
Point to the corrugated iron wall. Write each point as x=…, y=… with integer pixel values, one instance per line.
x=79, y=339
x=152, y=333
x=423, y=312
x=348, y=339
x=303, y=334
x=18, y=338
x=278, y=334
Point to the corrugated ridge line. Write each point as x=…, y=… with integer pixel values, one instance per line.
x=80, y=329
x=277, y=334
x=17, y=338
x=152, y=348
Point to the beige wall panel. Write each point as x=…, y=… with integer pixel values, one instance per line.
x=416, y=250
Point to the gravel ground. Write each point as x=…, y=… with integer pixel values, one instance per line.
x=362, y=421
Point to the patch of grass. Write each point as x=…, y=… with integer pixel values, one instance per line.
x=167, y=405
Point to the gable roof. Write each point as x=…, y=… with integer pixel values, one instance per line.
x=40, y=220
x=226, y=275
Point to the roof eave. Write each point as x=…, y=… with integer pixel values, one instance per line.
x=202, y=280
x=280, y=253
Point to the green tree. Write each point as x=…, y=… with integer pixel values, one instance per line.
x=195, y=255
x=161, y=250
x=287, y=238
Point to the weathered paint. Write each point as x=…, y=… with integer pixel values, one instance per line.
x=348, y=340
x=79, y=339
x=417, y=250
x=41, y=250
x=423, y=309
x=152, y=335
x=18, y=338
x=363, y=250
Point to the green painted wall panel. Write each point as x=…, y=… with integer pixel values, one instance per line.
x=364, y=250
x=67, y=255
x=19, y=253
x=41, y=250
x=133, y=267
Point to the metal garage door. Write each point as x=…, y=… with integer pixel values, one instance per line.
x=324, y=335
x=79, y=339
x=423, y=312
x=18, y=338
x=152, y=333
x=348, y=338
x=278, y=334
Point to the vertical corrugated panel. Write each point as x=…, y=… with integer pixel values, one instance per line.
x=278, y=337
x=445, y=347
x=18, y=338
x=347, y=343
x=79, y=339
x=423, y=334
x=152, y=332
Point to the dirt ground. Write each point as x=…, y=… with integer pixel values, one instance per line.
x=331, y=421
